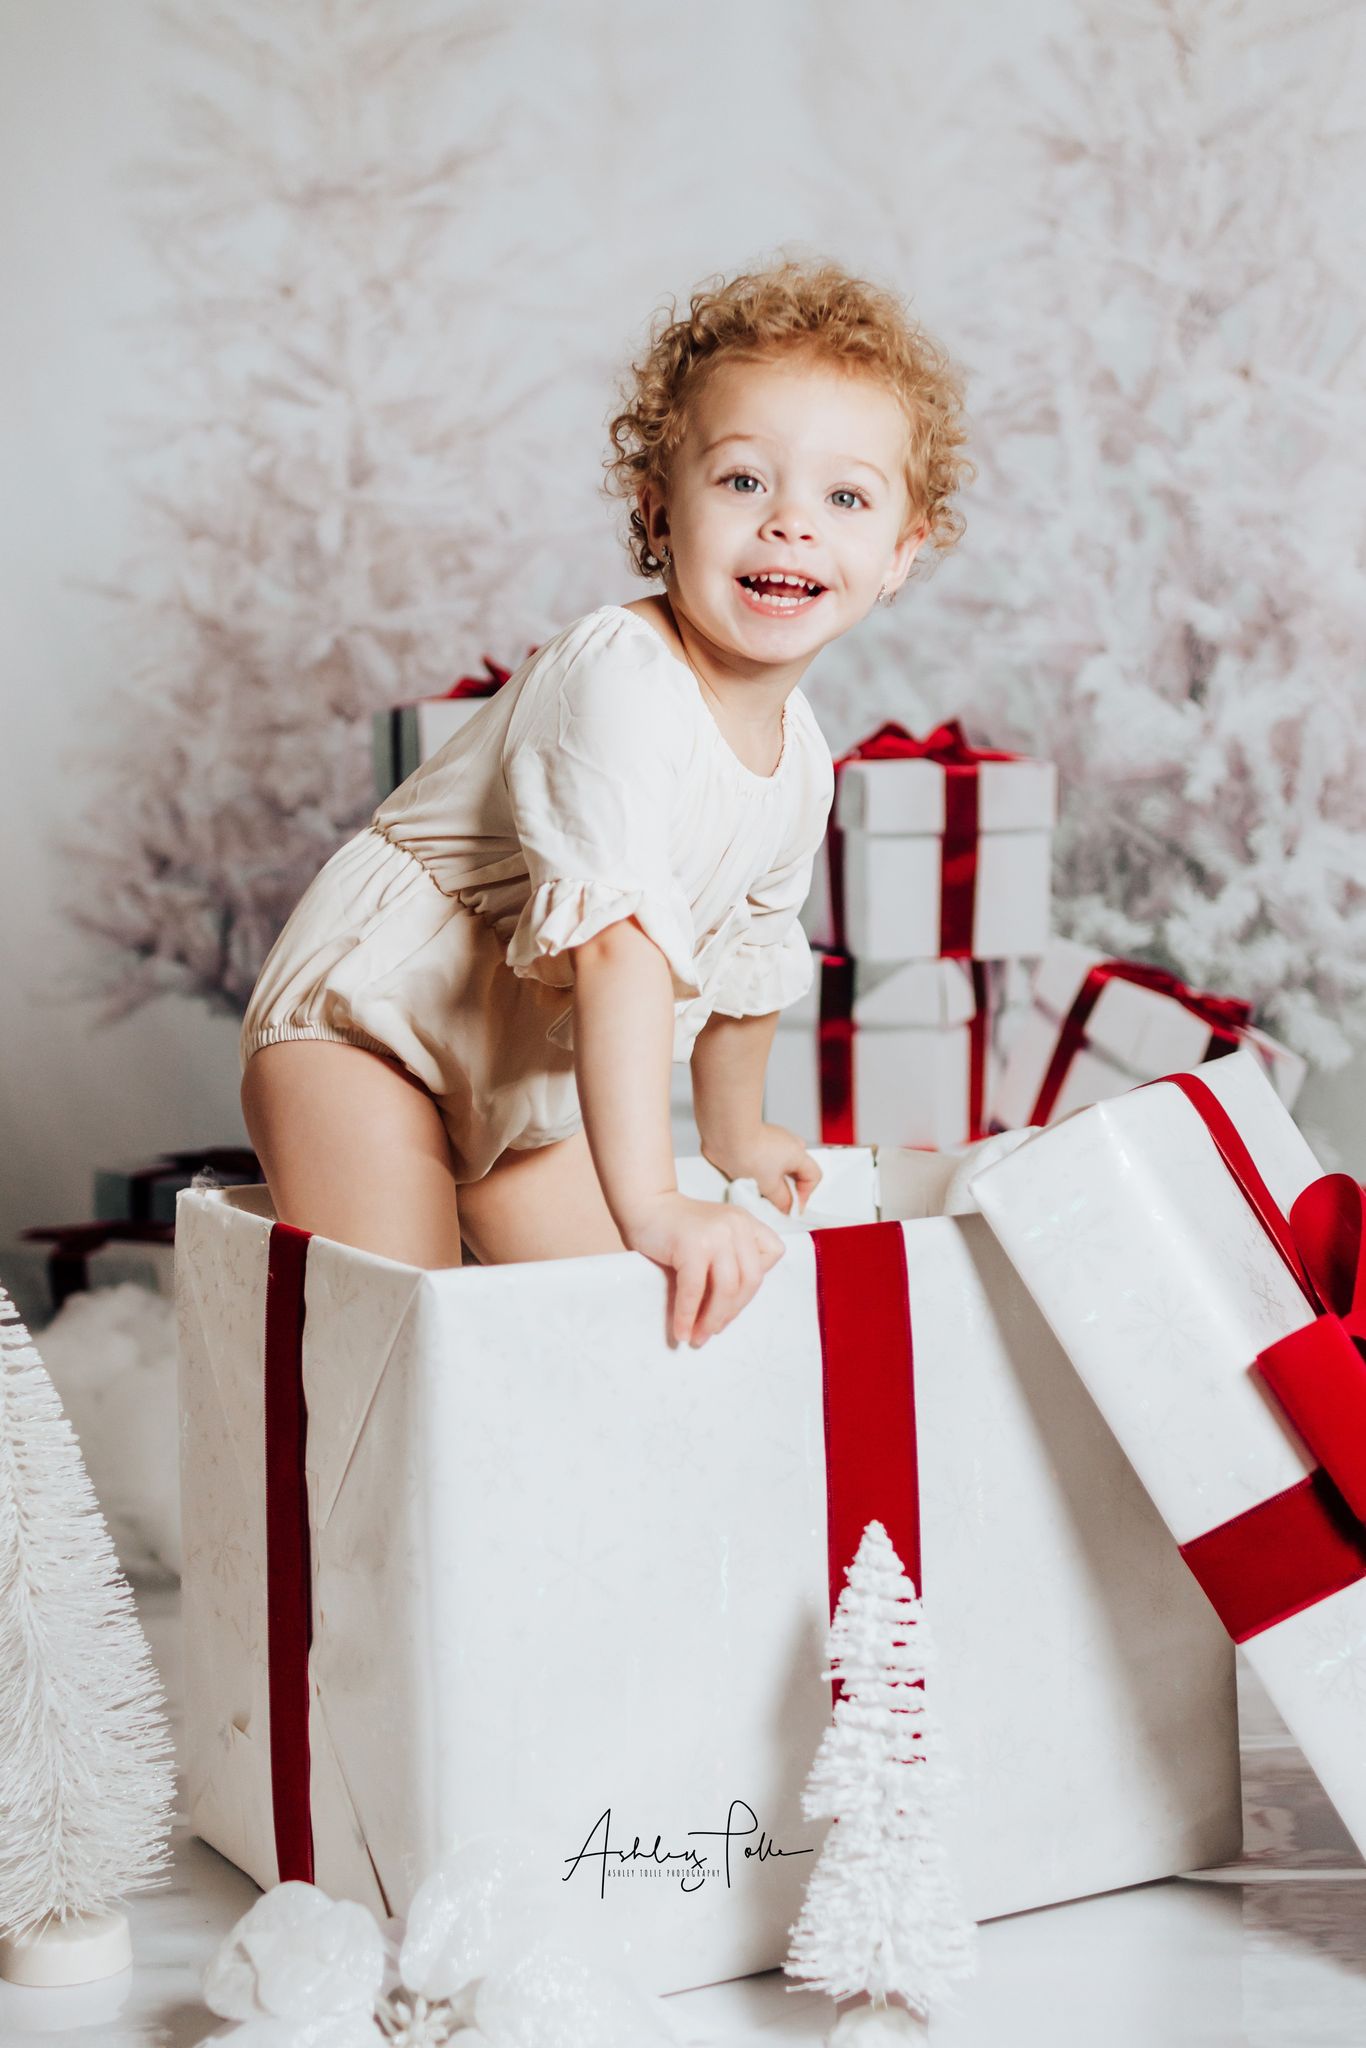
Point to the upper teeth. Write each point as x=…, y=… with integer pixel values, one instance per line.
x=766, y=576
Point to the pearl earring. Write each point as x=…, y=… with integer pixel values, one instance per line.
x=884, y=598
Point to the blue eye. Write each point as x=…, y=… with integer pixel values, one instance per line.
x=737, y=475
x=845, y=491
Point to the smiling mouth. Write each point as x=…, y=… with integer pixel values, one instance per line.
x=774, y=594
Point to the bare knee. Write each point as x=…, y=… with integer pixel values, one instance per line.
x=353, y=1148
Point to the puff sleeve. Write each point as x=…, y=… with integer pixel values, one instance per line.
x=772, y=965
x=590, y=772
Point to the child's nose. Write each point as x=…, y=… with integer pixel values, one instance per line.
x=790, y=521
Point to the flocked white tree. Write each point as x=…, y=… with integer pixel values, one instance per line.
x=1163, y=584
x=325, y=488
x=87, y=1778
x=882, y=1914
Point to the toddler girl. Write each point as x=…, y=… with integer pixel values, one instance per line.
x=466, y=1026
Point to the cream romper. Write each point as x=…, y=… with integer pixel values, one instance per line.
x=594, y=785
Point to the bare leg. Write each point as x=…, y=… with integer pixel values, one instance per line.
x=545, y=1204
x=353, y=1148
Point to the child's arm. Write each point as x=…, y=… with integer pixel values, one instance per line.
x=623, y=1041
x=729, y=1059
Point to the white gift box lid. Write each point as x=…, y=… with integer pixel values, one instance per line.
x=1165, y=1286
x=910, y=796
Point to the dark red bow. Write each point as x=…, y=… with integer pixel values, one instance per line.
x=486, y=685
x=482, y=686
x=1318, y=1374
x=949, y=747
x=1309, y=1541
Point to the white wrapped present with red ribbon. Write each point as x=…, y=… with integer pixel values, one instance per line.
x=1209, y=1282
x=935, y=848
x=905, y=1050
x=478, y=1548
x=1097, y=1026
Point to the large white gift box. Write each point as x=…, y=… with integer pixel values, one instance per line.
x=478, y=1549
x=942, y=849
x=1205, y=1277
x=906, y=1050
x=1095, y=1027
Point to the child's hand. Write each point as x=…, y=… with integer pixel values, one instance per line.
x=768, y=1155
x=718, y=1256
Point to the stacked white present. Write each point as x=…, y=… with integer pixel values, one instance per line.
x=1209, y=1283
x=1094, y=1027
x=932, y=895
x=403, y=736
x=479, y=1549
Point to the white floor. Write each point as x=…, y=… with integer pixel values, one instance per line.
x=1268, y=1954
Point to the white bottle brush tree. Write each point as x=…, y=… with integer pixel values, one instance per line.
x=883, y=1915
x=87, y=1775
x=330, y=492
x=1162, y=583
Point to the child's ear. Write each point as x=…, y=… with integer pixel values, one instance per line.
x=654, y=515
x=905, y=552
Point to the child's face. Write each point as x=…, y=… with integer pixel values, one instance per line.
x=786, y=466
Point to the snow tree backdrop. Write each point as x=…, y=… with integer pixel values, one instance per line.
x=316, y=314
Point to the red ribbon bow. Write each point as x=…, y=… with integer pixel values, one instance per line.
x=1290, y=1552
x=1318, y=1374
x=1225, y=1015
x=949, y=747
x=482, y=686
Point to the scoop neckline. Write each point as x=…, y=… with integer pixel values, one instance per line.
x=743, y=767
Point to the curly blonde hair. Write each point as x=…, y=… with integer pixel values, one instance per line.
x=817, y=309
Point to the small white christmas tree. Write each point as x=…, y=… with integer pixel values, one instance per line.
x=882, y=1915
x=87, y=1776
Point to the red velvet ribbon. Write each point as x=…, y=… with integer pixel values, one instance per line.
x=1225, y=1015
x=868, y=1366
x=835, y=1050
x=72, y=1244
x=289, y=1565
x=948, y=746
x=1308, y=1541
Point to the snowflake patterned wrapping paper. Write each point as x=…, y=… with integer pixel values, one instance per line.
x=1066, y=1054
x=560, y=1576
x=907, y=1051
x=1168, y=1286
x=945, y=854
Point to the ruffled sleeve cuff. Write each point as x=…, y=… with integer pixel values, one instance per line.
x=757, y=979
x=564, y=913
